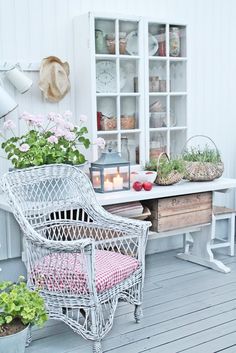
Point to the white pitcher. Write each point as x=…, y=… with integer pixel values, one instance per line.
x=19, y=80
x=7, y=104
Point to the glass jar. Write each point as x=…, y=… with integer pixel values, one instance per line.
x=122, y=42
x=125, y=153
x=161, y=37
x=174, y=41
x=111, y=43
x=99, y=41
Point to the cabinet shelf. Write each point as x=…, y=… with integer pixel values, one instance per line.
x=107, y=132
x=177, y=58
x=154, y=94
x=130, y=131
x=106, y=94
x=158, y=58
x=115, y=56
x=129, y=94
x=177, y=93
x=176, y=128
x=158, y=129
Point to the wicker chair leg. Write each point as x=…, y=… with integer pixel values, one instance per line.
x=97, y=347
x=29, y=337
x=138, y=313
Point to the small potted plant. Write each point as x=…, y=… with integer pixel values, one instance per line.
x=202, y=164
x=169, y=171
x=50, y=139
x=19, y=308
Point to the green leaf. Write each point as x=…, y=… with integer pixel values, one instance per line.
x=8, y=319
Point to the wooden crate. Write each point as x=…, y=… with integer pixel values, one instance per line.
x=180, y=211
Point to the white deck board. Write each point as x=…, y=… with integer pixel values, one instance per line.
x=187, y=308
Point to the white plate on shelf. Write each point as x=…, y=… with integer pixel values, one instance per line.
x=106, y=77
x=132, y=43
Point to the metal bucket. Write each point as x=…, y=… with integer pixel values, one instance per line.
x=14, y=343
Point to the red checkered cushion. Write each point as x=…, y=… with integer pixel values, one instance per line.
x=64, y=272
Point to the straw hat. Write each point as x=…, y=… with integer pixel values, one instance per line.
x=54, y=78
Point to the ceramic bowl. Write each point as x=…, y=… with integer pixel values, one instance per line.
x=143, y=176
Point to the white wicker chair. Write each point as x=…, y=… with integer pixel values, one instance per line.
x=82, y=258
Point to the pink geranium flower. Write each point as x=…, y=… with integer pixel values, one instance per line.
x=52, y=139
x=83, y=118
x=51, y=116
x=67, y=114
x=70, y=136
x=34, y=120
x=69, y=125
x=100, y=142
x=59, y=132
x=9, y=124
x=24, y=147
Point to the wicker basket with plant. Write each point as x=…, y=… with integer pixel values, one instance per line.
x=202, y=164
x=169, y=171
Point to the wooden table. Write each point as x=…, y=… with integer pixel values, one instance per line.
x=200, y=252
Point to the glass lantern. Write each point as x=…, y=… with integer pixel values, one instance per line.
x=110, y=173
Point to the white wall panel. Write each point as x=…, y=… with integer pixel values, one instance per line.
x=33, y=29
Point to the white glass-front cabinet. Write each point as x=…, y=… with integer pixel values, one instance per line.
x=131, y=76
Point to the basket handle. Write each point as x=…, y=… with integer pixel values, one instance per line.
x=194, y=136
x=161, y=155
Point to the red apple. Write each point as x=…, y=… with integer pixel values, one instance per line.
x=147, y=186
x=137, y=186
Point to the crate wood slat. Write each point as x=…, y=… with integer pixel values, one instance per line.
x=180, y=211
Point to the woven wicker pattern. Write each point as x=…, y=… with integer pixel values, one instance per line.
x=70, y=236
x=172, y=178
x=198, y=171
x=202, y=171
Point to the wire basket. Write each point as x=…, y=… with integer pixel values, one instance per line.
x=172, y=178
x=200, y=170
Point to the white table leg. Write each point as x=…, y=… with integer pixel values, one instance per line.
x=201, y=253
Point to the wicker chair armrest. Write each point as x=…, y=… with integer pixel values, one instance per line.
x=56, y=245
x=65, y=246
x=123, y=223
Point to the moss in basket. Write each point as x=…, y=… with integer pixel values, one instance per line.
x=151, y=165
x=167, y=166
x=196, y=154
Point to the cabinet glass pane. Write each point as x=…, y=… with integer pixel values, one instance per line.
x=157, y=76
x=178, y=76
x=111, y=141
x=106, y=113
x=158, y=144
x=104, y=36
x=178, y=111
x=156, y=39
x=177, y=140
x=177, y=41
x=129, y=109
x=129, y=76
x=128, y=38
x=133, y=147
x=157, y=112
x=106, y=77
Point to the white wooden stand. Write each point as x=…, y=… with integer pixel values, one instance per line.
x=201, y=253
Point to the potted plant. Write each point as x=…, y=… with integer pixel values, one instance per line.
x=202, y=164
x=49, y=139
x=169, y=170
x=19, y=308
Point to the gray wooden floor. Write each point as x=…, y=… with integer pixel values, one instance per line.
x=187, y=308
